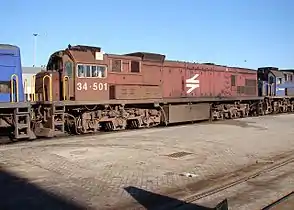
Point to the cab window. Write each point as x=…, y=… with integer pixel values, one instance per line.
x=4, y=87
x=68, y=69
x=81, y=71
x=90, y=71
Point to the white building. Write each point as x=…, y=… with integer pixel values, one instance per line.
x=28, y=74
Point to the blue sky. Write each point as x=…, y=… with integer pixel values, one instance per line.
x=224, y=32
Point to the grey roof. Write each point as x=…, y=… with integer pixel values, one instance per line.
x=8, y=46
x=31, y=70
x=290, y=70
x=277, y=73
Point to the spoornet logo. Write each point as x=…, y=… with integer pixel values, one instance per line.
x=192, y=83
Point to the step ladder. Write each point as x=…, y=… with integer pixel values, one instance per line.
x=58, y=111
x=22, y=123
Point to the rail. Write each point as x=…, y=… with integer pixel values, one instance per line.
x=278, y=204
x=65, y=87
x=50, y=87
x=13, y=78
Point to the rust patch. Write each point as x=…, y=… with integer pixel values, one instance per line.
x=179, y=154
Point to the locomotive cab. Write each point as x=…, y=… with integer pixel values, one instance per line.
x=267, y=78
x=85, y=73
x=73, y=74
x=60, y=75
x=48, y=82
x=275, y=82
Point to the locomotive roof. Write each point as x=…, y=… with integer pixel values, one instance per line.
x=277, y=73
x=9, y=47
x=148, y=56
x=287, y=70
x=213, y=65
x=84, y=48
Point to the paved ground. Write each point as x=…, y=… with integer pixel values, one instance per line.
x=124, y=169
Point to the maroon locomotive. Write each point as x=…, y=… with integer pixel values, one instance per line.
x=92, y=90
x=94, y=76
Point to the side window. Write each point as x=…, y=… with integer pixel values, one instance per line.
x=135, y=66
x=116, y=65
x=271, y=80
x=68, y=69
x=88, y=71
x=4, y=87
x=94, y=71
x=81, y=71
x=99, y=71
x=233, y=80
x=91, y=71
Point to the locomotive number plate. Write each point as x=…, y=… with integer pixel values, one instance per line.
x=93, y=86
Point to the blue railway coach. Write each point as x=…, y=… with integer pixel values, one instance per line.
x=11, y=88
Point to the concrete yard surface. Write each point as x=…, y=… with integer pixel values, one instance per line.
x=138, y=169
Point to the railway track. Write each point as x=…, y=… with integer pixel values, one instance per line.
x=8, y=141
x=286, y=200
x=284, y=203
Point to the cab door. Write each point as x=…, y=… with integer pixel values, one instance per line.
x=67, y=81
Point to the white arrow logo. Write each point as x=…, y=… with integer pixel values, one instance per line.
x=192, y=83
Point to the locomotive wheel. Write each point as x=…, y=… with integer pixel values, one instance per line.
x=133, y=124
x=110, y=126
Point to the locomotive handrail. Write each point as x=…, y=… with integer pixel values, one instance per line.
x=50, y=87
x=33, y=87
x=14, y=76
x=65, y=78
x=270, y=89
x=25, y=87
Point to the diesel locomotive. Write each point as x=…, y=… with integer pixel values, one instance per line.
x=84, y=90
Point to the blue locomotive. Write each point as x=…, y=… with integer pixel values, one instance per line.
x=275, y=82
x=11, y=85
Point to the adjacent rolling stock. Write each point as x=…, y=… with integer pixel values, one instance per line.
x=84, y=90
x=275, y=82
x=11, y=89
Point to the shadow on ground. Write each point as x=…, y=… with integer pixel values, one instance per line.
x=155, y=201
x=17, y=193
x=240, y=123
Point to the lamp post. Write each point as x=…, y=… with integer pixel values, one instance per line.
x=35, y=48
